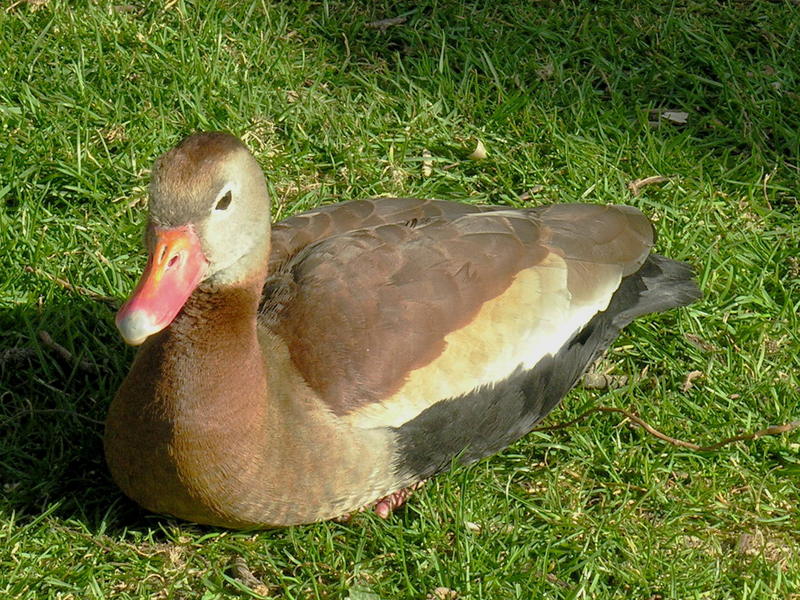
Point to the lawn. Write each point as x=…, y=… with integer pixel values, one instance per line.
x=573, y=101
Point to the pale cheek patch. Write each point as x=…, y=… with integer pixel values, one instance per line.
x=534, y=317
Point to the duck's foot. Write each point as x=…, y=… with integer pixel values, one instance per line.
x=386, y=505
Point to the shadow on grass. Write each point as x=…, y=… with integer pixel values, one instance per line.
x=725, y=68
x=52, y=412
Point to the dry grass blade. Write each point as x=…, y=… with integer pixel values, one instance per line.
x=33, y=5
x=700, y=343
x=556, y=581
x=636, y=185
x=245, y=576
x=688, y=382
x=384, y=24
x=65, y=354
x=743, y=437
x=528, y=194
x=112, y=302
x=427, y=163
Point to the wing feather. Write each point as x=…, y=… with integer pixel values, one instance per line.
x=386, y=320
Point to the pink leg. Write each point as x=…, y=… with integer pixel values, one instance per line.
x=388, y=504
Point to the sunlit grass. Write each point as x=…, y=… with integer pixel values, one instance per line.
x=561, y=95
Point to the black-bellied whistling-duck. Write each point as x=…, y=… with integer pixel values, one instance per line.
x=358, y=348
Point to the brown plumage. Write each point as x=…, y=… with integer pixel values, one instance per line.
x=298, y=375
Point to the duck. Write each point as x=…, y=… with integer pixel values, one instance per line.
x=297, y=372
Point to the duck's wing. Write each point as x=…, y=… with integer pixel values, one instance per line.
x=385, y=322
x=291, y=235
x=454, y=338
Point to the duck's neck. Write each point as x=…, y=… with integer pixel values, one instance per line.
x=213, y=348
x=197, y=391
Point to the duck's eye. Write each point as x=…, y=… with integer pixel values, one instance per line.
x=224, y=202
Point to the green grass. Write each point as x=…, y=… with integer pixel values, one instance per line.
x=560, y=94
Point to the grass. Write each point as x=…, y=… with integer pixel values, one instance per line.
x=560, y=93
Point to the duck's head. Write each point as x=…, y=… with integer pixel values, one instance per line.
x=209, y=222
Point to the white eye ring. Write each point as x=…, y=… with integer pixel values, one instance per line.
x=224, y=198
